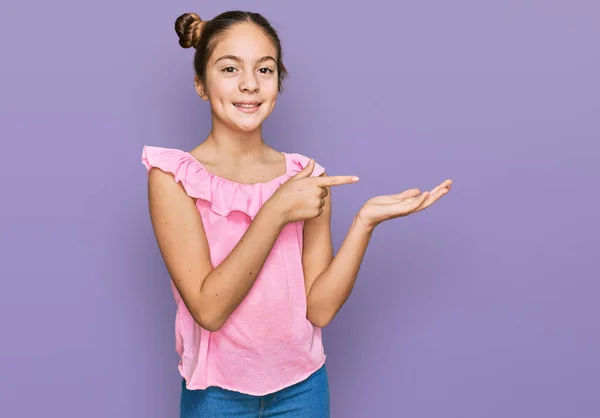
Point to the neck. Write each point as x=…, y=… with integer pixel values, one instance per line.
x=233, y=143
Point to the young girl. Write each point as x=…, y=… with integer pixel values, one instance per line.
x=244, y=231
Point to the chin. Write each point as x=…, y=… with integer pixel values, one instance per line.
x=247, y=127
x=247, y=123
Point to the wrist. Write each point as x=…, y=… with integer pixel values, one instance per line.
x=272, y=215
x=363, y=225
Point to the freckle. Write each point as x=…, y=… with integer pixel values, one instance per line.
x=250, y=273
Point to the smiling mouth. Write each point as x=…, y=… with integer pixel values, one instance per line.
x=247, y=105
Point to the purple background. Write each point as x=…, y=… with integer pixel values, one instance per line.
x=485, y=305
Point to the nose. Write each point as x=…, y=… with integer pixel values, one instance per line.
x=249, y=82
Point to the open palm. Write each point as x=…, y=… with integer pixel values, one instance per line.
x=383, y=208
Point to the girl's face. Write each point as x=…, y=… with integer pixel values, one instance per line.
x=241, y=78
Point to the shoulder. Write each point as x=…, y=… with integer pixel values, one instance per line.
x=173, y=168
x=166, y=159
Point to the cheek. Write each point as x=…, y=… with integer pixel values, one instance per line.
x=269, y=89
x=219, y=88
x=222, y=90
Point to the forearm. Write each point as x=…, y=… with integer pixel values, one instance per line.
x=333, y=287
x=228, y=284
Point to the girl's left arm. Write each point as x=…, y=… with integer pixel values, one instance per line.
x=329, y=280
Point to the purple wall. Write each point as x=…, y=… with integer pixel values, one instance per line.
x=485, y=305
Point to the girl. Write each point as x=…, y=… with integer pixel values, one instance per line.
x=244, y=231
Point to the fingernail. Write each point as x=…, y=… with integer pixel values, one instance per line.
x=355, y=179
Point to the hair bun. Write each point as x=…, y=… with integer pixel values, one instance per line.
x=189, y=28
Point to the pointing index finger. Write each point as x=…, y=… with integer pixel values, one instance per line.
x=335, y=180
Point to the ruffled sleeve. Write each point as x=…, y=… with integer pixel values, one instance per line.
x=223, y=196
x=179, y=164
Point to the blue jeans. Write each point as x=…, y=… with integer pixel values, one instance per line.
x=307, y=399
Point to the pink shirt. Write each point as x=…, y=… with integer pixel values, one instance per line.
x=267, y=344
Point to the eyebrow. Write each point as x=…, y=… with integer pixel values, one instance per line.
x=238, y=59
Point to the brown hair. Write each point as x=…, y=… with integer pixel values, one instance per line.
x=204, y=35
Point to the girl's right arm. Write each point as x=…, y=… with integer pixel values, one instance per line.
x=210, y=295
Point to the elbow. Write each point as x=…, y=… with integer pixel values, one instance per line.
x=319, y=320
x=211, y=326
x=208, y=321
x=208, y=314
x=319, y=324
x=318, y=313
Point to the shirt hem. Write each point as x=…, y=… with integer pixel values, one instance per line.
x=299, y=379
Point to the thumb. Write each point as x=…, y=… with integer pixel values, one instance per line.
x=306, y=171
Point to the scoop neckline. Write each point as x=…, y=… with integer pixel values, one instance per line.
x=236, y=183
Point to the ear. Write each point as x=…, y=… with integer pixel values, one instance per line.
x=200, y=88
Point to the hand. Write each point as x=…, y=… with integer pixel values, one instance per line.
x=383, y=208
x=302, y=197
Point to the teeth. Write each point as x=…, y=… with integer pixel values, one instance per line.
x=245, y=105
